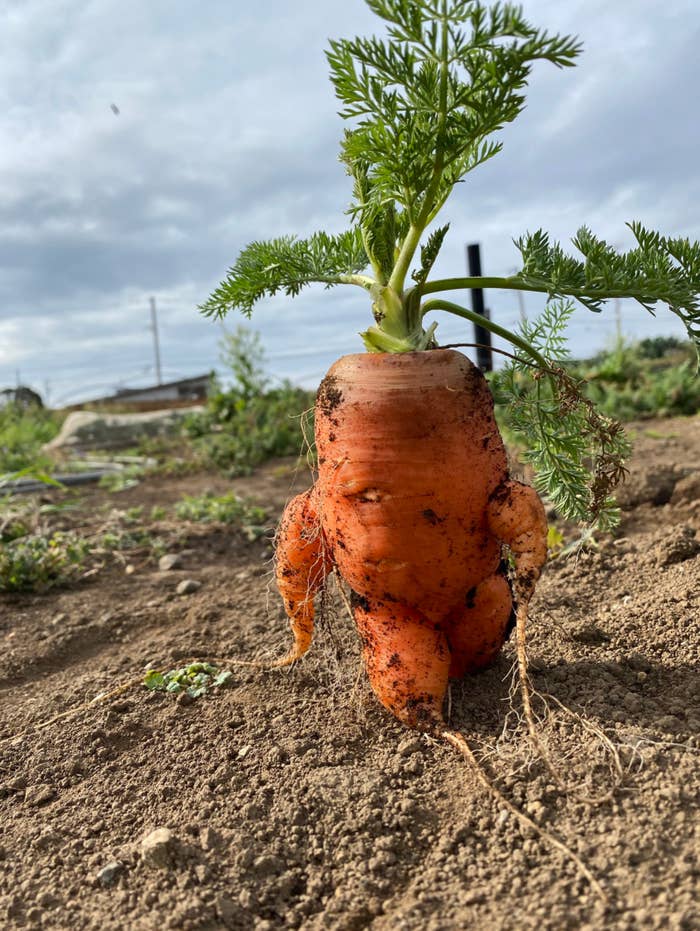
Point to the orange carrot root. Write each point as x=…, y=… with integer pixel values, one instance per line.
x=477, y=631
x=302, y=564
x=407, y=661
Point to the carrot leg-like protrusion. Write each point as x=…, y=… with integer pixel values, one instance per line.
x=476, y=632
x=302, y=564
x=407, y=660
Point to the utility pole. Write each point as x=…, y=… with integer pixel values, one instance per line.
x=482, y=336
x=156, y=346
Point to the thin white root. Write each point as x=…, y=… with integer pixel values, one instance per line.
x=459, y=742
x=527, y=693
x=346, y=601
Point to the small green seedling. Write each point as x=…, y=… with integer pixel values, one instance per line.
x=196, y=679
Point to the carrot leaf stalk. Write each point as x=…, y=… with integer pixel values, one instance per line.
x=578, y=453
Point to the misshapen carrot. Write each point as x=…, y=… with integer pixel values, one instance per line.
x=413, y=503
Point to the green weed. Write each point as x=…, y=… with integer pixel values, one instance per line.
x=32, y=562
x=23, y=431
x=223, y=509
x=115, y=482
x=196, y=679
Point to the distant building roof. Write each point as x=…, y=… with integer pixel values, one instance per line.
x=183, y=389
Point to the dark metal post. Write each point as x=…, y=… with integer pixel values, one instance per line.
x=482, y=336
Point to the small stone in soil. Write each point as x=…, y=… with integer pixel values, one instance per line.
x=158, y=848
x=188, y=587
x=109, y=873
x=39, y=795
x=170, y=561
x=47, y=899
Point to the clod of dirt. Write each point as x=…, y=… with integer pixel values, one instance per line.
x=188, y=587
x=170, y=561
x=158, y=849
x=39, y=794
x=687, y=490
x=677, y=546
x=647, y=486
x=225, y=909
x=210, y=838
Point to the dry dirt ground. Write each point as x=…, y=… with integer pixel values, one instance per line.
x=292, y=800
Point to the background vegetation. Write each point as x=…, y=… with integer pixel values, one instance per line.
x=245, y=424
x=248, y=422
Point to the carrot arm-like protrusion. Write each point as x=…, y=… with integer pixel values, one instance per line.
x=302, y=564
x=516, y=517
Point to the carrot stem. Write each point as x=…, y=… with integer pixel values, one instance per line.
x=519, y=341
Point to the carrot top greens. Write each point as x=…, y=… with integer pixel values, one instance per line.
x=423, y=106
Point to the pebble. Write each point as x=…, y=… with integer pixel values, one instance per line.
x=39, y=795
x=170, y=561
x=246, y=899
x=109, y=873
x=188, y=586
x=46, y=899
x=210, y=838
x=158, y=848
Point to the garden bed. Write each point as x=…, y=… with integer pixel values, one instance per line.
x=290, y=798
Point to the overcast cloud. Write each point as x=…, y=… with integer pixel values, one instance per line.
x=227, y=131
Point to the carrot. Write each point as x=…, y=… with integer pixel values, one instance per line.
x=301, y=568
x=412, y=506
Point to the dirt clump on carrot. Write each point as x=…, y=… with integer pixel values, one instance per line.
x=412, y=507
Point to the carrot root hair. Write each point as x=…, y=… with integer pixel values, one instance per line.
x=527, y=693
x=457, y=740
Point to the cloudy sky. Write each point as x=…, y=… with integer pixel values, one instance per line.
x=227, y=131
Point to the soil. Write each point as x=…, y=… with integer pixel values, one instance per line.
x=290, y=799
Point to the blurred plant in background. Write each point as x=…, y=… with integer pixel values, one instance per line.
x=23, y=431
x=249, y=422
